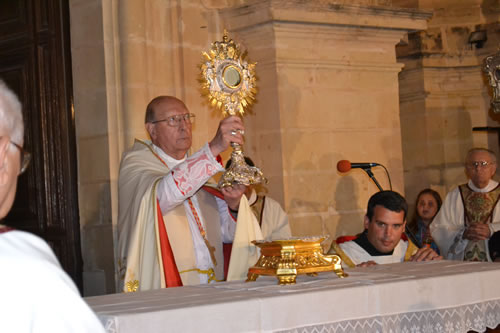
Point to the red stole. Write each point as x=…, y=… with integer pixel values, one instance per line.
x=172, y=276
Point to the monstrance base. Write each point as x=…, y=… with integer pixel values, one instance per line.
x=239, y=172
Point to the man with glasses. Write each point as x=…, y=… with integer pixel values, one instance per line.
x=171, y=231
x=470, y=214
x=37, y=295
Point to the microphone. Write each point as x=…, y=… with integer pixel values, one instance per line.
x=345, y=165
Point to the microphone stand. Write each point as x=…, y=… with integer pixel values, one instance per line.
x=370, y=173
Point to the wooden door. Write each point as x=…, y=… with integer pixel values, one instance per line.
x=35, y=62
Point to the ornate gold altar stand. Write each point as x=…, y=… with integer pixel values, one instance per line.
x=286, y=259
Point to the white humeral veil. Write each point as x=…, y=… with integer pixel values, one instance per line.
x=244, y=254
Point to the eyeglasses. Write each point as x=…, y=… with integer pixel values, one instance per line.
x=25, y=157
x=175, y=121
x=476, y=164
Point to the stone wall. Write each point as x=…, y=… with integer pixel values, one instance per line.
x=444, y=94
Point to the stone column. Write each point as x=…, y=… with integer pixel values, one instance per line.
x=328, y=90
x=94, y=94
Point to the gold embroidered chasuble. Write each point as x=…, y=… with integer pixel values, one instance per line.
x=478, y=208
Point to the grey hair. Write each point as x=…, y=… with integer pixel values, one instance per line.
x=11, y=116
x=484, y=150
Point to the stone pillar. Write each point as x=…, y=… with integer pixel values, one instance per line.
x=94, y=94
x=328, y=90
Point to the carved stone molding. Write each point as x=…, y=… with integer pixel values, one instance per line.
x=352, y=13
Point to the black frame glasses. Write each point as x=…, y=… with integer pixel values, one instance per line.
x=175, y=121
x=25, y=157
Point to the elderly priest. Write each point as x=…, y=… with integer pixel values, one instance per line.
x=470, y=215
x=171, y=228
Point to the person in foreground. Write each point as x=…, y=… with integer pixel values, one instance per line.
x=37, y=295
x=470, y=215
x=427, y=206
x=272, y=219
x=171, y=228
x=383, y=240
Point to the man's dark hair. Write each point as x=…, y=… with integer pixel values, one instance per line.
x=248, y=161
x=390, y=200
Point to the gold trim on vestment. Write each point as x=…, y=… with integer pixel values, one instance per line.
x=210, y=272
x=335, y=249
x=410, y=251
x=150, y=148
x=132, y=286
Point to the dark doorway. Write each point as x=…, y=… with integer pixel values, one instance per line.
x=35, y=61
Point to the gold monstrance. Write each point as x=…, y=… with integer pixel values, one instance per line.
x=228, y=80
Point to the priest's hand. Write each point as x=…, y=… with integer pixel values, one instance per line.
x=477, y=232
x=230, y=129
x=367, y=264
x=425, y=254
x=232, y=195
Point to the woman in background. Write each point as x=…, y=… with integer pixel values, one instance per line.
x=427, y=206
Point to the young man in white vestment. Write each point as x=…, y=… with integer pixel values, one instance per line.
x=171, y=228
x=383, y=241
x=37, y=295
x=470, y=214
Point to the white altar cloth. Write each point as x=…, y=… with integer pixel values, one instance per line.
x=436, y=296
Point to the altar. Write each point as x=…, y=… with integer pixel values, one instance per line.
x=435, y=296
